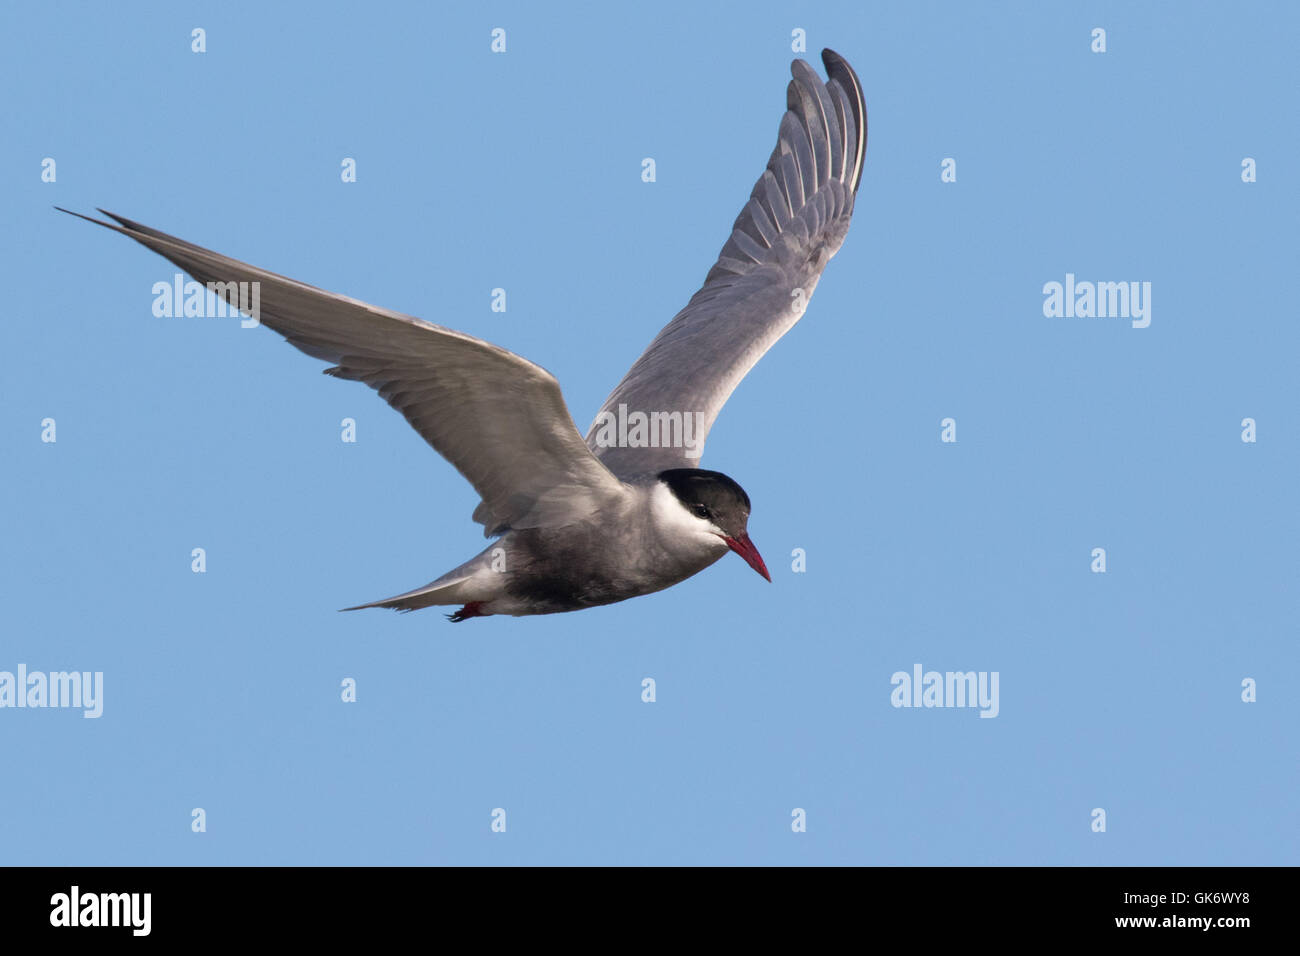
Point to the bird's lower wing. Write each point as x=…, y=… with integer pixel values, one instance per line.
x=795, y=220
x=498, y=418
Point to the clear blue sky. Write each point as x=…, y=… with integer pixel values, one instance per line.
x=1119, y=691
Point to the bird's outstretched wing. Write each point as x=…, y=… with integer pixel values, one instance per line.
x=497, y=417
x=795, y=220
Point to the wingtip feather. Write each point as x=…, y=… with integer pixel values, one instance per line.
x=839, y=70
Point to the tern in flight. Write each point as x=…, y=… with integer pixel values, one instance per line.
x=621, y=514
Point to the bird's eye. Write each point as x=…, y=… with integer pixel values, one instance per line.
x=701, y=511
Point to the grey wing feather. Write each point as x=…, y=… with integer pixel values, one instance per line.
x=498, y=418
x=795, y=220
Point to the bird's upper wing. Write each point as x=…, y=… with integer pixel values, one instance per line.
x=795, y=220
x=497, y=417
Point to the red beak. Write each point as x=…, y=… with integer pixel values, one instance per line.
x=745, y=548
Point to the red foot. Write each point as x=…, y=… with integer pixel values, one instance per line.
x=472, y=609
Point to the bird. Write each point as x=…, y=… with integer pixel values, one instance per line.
x=580, y=523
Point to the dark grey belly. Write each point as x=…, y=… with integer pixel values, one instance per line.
x=577, y=568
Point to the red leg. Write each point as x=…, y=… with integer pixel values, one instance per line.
x=472, y=609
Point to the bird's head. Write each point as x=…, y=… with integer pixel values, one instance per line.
x=716, y=506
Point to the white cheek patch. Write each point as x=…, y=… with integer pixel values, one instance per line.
x=669, y=512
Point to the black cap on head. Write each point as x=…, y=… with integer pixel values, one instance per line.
x=710, y=495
